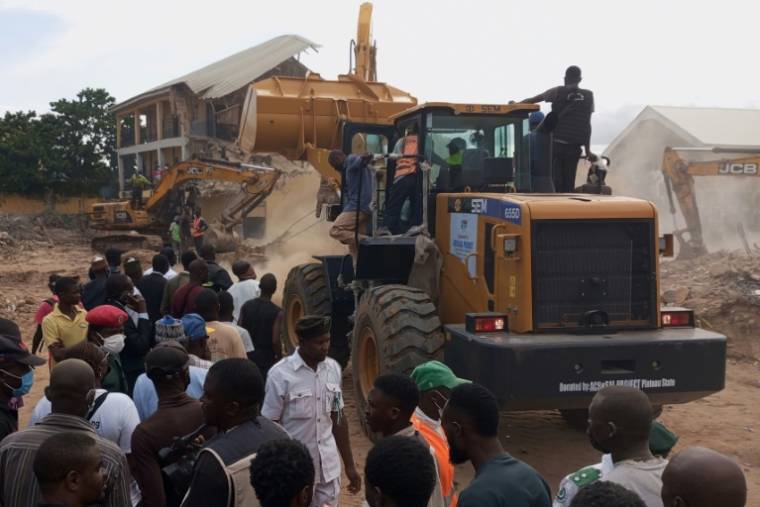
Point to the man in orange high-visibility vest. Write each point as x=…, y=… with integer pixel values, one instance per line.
x=405, y=183
x=435, y=381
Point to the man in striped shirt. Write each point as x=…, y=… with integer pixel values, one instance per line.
x=71, y=391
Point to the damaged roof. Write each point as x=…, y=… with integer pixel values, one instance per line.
x=236, y=71
x=703, y=126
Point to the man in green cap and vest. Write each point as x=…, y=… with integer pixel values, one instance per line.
x=435, y=381
x=138, y=183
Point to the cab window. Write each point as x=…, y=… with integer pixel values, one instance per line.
x=472, y=151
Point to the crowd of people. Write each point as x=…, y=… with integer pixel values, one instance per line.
x=169, y=387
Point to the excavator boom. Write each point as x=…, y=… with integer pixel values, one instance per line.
x=168, y=199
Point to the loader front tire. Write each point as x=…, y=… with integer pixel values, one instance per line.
x=397, y=328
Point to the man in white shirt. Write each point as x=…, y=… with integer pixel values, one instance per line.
x=303, y=394
x=246, y=288
x=620, y=420
x=169, y=253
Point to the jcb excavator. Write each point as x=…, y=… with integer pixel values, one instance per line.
x=542, y=298
x=173, y=194
x=679, y=180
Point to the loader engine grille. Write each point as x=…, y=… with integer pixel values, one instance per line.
x=588, y=272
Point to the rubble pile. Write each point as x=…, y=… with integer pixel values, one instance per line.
x=723, y=289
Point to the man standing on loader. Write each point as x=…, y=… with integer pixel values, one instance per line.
x=405, y=182
x=570, y=124
x=138, y=182
x=357, y=210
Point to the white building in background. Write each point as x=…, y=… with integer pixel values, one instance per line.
x=636, y=155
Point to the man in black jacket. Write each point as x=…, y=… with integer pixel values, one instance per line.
x=217, y=275
x=232, y=397
x=572, y=107
x=152, y=287
x=94, y=291
x=137, y=328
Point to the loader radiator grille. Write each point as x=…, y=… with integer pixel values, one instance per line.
x=582, y=266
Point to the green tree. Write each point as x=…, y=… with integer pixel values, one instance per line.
x=19, y=153
x=69, y=151
x=78, y=143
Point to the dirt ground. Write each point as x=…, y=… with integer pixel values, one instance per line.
x=726, y=421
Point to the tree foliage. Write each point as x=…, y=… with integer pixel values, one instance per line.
x=70, y=151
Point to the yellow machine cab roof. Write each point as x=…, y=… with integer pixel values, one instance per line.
x=470, y=108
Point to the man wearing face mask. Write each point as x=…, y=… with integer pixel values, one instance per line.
x=113, y=415
x=71, y=394
x=107, y=331
x=435, y=381
x=137, y=328
x=620, y=420
x=16, y=376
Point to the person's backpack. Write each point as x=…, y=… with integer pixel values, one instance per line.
x=37, y=339
x=238, y=480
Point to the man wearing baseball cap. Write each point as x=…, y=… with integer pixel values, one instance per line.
x=435, y=381
x=16, y=375
x=106, y=330
x=167, y=366
x=192, y=334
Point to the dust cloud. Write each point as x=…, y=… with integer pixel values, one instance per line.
x=293, y=233
x=724, y=202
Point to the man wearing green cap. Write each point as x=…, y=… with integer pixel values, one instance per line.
x=435, y=381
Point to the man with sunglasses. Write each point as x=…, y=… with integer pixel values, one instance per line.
x=16, y=375
x=435, y=381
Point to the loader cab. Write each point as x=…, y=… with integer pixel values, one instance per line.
x=470, y=147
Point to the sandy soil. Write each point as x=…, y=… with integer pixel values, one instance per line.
x=726, y=421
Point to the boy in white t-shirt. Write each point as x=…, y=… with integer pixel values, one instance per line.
x=246, y=288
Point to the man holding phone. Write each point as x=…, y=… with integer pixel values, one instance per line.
x=137, y=329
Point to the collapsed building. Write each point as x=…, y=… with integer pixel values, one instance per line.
x=198, y=115
x=724, y=203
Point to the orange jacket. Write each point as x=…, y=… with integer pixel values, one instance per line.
x=438, y=443
x=408, y=163
x=199, y=227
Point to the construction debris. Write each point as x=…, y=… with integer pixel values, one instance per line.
x=723, y=289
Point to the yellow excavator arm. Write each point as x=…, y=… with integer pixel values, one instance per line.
x=679, y=180
x=365, y=50
x=258, y=182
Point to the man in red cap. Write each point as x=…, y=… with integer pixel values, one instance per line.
x=16, y=375
x=107, y=332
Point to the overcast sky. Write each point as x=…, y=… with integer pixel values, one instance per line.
x=633, y=53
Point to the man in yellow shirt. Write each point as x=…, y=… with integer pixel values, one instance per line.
x=66, y=325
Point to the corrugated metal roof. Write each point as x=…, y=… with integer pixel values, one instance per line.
x=703, y=126
x=234, y=72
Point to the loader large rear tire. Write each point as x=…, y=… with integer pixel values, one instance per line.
x=307, y=292
x=397, y=328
